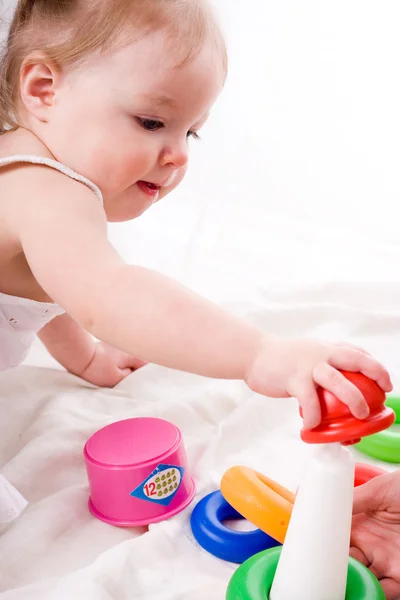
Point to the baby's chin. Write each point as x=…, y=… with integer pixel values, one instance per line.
x=130, y=205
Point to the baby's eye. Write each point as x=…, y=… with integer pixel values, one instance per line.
x=193, y=134
x=150, y=124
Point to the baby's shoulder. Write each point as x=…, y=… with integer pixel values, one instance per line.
x=28, y=188
x=19, y=180
x=28, y=170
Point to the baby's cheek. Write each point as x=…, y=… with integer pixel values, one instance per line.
x=120, y=172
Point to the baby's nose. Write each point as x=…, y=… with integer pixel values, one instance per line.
x=176, y=155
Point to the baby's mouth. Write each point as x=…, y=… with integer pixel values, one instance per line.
x=148, y=188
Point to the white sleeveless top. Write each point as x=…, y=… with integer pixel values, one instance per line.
x=21, y=318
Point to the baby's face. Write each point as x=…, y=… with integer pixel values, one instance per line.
x=126, y=121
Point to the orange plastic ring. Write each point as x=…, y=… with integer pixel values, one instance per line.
x=259, y=499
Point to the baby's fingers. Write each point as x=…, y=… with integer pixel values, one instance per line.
x=333, y=381
x=307, y=397
x=352, y=359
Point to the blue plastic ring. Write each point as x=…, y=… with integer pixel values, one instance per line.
x=221, y=541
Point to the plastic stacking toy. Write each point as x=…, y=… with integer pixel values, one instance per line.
x=384, y=445
x=323, y=537
x=313, y=563
x=253, y=580
x=318, y=537
x=138, y=473
x=218, y=539
x=337, y=422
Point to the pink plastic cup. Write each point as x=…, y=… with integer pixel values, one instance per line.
x=137, y=471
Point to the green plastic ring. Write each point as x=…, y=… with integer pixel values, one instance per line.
x=384, y=445
x=253, y=579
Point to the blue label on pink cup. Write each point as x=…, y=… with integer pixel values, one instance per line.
x=161, y=485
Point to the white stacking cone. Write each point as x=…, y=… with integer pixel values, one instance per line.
x=314, y=559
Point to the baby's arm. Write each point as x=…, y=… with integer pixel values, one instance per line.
x=68, y=343
x=139, y=311
x=63, y=234
x=77, y=351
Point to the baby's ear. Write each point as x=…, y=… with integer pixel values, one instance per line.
x=39, y=78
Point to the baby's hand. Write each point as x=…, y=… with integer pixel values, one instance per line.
x=109, y=366
x=296, y=367
x=375, y=537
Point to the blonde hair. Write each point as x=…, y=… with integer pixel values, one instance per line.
x=67, y=30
